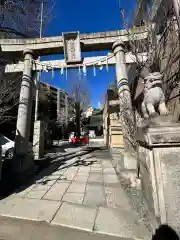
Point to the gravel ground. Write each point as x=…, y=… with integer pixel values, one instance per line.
x=137, y=202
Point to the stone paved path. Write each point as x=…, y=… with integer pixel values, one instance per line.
x=84, y=193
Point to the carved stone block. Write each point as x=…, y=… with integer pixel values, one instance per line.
x=159, y=155
x=72, y=47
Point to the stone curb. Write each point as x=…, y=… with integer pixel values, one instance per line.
x=21, y=229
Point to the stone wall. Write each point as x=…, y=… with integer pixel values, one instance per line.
x=169, y=66
x=113, y=137
x=115, y=131
x=165, y=59
x=147, y=176
x=159, y=155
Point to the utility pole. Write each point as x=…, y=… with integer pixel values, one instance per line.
x=38, y=74
x=41, y=23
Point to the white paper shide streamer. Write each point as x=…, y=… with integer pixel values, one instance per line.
x=62, y=71
x=52, y=73
x=94, y=70
x=100, y=65
x=84, y=70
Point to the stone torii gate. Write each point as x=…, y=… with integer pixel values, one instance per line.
x=30, y=49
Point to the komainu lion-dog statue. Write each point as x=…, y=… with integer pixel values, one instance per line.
x=153, y=96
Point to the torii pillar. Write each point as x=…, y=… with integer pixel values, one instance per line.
x=22, y=162
x=126, y=113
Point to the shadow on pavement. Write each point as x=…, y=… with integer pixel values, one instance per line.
x=45, y=167
x=61, y=148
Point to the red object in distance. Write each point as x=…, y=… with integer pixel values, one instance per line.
x=84, y=140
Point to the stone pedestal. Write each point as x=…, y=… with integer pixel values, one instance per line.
x=38, y=140
x=159, y=155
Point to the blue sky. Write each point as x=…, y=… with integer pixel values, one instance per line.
x=86, y=16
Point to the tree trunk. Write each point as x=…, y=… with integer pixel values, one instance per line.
x=78, y=125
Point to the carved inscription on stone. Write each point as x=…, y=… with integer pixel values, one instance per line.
x=170, y=168
x=165, y=138
x=72, y=49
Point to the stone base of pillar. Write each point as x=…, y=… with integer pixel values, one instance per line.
x=125, y=159
x=159, y=155
x=129, y=161
x=38, y=140
x=22, y=168
x=125, y=166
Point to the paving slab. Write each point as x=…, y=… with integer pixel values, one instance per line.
x=51, y=177
x=82, y=197
x=95, y=195
x=96, y=169
x=73, y=197
x=22, y=191
x=84, y=169
x=59, y=172
x=69, y=174
x=37, y=194
x=82, y=173
x=116, y=197
x=45, y=181
x=109, y=170
x=17, y=229
x=40, y=187
x=47, y=171
x=77, y=187
x=81, y=178
x=121, y=223
x=111, y=178
x=106, y=163
x=96, y=165
x=32, y=209
x=57, y=191
x=75, y=216
x=95, y=177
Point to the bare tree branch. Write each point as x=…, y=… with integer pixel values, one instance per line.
x=23, y=16
x=80, y=94
x=9, y=96
x=18, y=18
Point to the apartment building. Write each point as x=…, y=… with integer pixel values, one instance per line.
x=64, y=103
